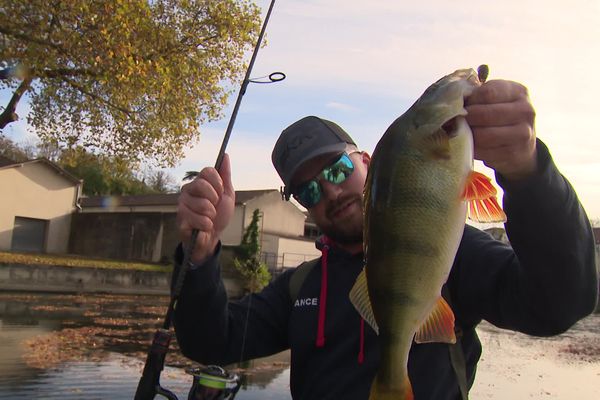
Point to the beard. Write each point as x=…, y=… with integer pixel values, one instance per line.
x=348, y=230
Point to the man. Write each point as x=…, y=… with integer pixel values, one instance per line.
x=540, y=285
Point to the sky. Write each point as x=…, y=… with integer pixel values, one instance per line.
x=363, y=63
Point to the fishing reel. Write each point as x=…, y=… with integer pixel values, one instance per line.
x=213, y=383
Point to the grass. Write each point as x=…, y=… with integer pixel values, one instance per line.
x=77, y=261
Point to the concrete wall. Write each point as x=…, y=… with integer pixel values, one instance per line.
x=233, y=233
x=36, y=190
x=295, y=251
x=279, y=217
x=44, y=278
x=70, y=279
x=124, y=236
x=280, y=252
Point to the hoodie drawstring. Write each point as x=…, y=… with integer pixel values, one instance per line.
x=323, y=305
x=361, y=350
x=323, y=298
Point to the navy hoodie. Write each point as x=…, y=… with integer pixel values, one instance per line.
x=539, y=285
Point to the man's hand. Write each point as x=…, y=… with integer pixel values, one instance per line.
x=206, y=204
x=502, y=120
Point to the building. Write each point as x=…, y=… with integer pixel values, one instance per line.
x=36, y=204
x=144, y=227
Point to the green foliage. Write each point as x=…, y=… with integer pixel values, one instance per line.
x=133, y=79
x=10, y=150
x=247, y=261
x=102, y=175
x=111, y=175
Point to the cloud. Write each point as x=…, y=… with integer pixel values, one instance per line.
x=249, y=153
x=341, y=107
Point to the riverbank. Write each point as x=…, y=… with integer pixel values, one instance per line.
x=519, y=367
x=126, y=279
x=74, y=274
x=69, y=279
x=65, y=260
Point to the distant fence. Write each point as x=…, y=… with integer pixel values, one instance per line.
x=278, y=262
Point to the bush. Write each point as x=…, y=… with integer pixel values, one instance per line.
x=247, y=260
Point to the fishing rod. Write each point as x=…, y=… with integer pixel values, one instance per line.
x=211, y=382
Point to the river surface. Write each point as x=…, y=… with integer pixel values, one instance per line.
x=94, y=347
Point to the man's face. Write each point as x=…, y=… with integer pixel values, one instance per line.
x=339, y=213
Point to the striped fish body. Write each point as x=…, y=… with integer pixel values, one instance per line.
x=414, y=219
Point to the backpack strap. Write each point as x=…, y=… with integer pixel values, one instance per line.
x=299, y=275
x=457, y=357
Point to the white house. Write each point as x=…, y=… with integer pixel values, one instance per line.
x=36, y=203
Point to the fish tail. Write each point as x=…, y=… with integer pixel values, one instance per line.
x=400, y=391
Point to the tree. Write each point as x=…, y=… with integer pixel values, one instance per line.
x=129, y=78
x=247, y=261
x=160, y=181
x=111, y=175
x=102, y=175
x=10, y=150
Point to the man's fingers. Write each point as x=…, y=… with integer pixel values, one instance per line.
x=498, y=137
x=225, y=173
x=201, y=188
x=500, y=114
x=507, y=149
x=189, y=219
x=497, y=91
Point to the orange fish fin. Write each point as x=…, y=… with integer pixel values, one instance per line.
x=359, y=297
x=438, y=326
x=486, y=210
x=481, y=197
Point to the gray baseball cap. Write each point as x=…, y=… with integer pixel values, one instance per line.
x=304, y=140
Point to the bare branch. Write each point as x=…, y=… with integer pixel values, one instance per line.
x=9, y=115
x=28, y=38
x=63, y=72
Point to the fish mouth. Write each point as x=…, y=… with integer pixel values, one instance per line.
x=450, y=127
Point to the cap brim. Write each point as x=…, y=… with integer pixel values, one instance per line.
x=336, y=148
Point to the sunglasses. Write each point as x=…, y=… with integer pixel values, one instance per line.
x=309, y=193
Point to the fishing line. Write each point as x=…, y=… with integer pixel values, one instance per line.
x=272, y=78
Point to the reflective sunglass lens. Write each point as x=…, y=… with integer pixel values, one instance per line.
x=339, y=171
x=309, y=194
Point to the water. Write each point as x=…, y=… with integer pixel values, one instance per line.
x=95, y=346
